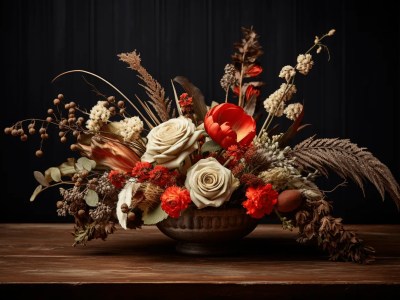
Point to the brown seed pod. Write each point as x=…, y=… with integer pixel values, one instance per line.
x=289, y=200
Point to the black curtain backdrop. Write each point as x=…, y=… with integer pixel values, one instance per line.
x=355, y=95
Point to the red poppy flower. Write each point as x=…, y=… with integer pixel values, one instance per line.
x=174, y=200
x=253, y=71
x=260, y=200
x=228, y=124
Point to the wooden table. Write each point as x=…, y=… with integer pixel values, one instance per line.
x=37, y=261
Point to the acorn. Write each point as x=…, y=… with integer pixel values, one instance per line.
x=289, y=200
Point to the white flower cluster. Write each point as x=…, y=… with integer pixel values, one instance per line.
x=99, y=115
x=292, y=111
x=275, y=103
x=131, y=128
x=287, y=72
x=304, y=63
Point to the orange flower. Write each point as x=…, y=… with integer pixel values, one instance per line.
x=110, y=153
x=174, y=200
x=228, y=124
x=260, y=200
x=253, y=71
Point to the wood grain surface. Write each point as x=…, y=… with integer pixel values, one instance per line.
x=38, y=260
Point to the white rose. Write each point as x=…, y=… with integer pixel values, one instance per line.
x=210, y=183
x=171, y=142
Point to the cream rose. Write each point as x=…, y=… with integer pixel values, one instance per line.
x=210, y=183
x=171, y=142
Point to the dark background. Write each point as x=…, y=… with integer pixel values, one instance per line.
x=355, y=95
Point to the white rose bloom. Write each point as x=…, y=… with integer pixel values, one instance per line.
x=210, y=183
x=171, y=142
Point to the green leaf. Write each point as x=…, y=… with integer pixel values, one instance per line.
x=36, y=192
x=91, y=198
x=210, y=146
x=40, y=178
x=154, y=216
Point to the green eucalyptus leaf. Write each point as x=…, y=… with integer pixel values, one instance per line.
x=210, y=146
x=154, y=216
x=40, y=178
x=91, y=198
x=36, y=192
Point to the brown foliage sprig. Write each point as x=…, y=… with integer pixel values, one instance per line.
x=315, y=223
x=348, y=161
x=156, y=93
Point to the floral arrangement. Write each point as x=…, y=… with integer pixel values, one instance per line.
x=144, y=161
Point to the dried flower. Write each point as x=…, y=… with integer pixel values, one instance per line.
x=260, y=200
x=292, y=111
x=304, y=63
x=207, y=157
x=174, y=200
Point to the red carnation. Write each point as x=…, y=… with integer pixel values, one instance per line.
x=162, y=176
x=174, y=200
x=117, y=178
x=141, y=171
x=260, y=200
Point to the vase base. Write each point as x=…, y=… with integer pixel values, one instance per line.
x=206, y=249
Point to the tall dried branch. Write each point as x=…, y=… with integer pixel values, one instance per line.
x=154, y=90
x=348, y=161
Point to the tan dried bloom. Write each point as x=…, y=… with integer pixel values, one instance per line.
x=131, y=128
x=278, y=177
x=331, y=32
x=229, y=77
x=275, y=103
x=292, y=111
x=99, y=115
x=287, y=72
x=304, y=63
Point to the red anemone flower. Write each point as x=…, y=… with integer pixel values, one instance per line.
x=228, y=124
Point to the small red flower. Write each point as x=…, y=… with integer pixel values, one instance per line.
x=260, y=200
x=251, y=91
x=162, y=176
x=228, y=124
x=234, y=153
x=253, y=71
x=117, y=178
x=185, y=100
x=141, y=171
x=174, y=200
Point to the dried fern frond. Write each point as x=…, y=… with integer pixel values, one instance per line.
x=154, y=90
x=348, y=161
